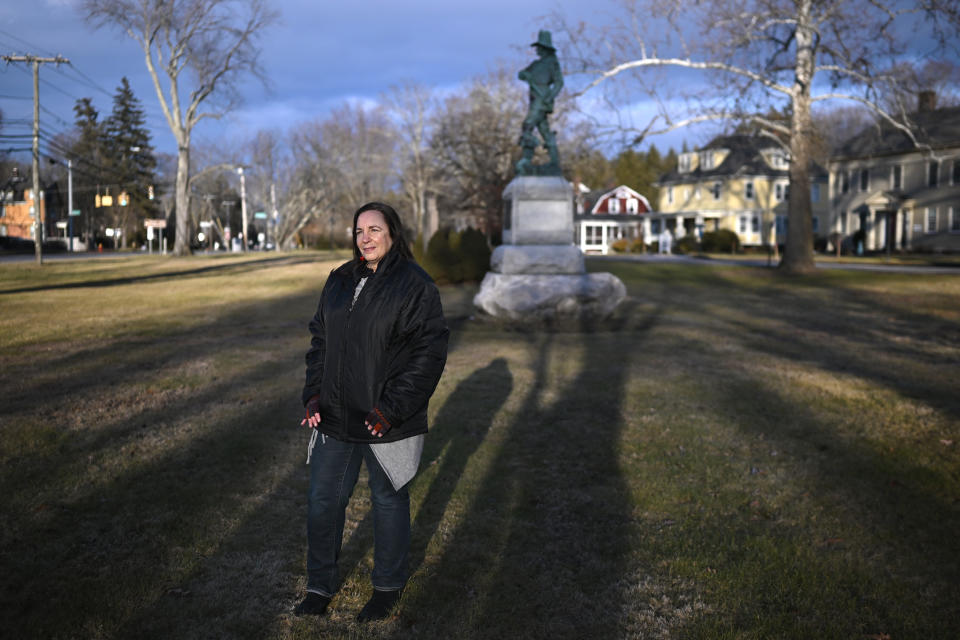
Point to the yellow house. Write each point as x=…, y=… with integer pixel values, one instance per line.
x=738, y=182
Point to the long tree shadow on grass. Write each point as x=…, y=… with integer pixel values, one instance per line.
x=454, y=437
x=218, y=269
x=543, y=548
x=844, y=575
x=102, y=524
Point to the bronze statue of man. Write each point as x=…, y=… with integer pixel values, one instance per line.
x=545, y=80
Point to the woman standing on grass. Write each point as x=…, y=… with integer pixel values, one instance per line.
x=378, y=347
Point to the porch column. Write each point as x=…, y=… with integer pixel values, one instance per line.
x=604, y=236
x=645, y=229
x=898, y=220
x=871, y=231
x=907, y=228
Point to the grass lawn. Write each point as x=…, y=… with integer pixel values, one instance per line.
x=734, y=455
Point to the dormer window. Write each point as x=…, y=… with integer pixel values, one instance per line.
x=633, y=205
x=613, y=205
x=706, y=160
x=685, y=162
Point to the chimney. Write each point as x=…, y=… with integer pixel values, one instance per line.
x=926, y=101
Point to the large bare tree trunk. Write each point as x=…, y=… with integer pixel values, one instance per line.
x=181, y=245
x=798, y=252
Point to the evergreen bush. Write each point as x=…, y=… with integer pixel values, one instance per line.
x=454, y=257
x=686, y=244
x=721, y=241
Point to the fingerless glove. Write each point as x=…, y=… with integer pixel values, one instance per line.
x=378, y=421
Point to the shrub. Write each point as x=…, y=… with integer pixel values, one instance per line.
x=475, y=254
x=721, y=241
x=454, y=257
x=637, y=246
x=619, y=245
x=686, y=244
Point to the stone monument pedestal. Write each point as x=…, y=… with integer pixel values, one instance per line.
x=538, y=273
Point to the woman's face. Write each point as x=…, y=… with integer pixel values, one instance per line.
x=373, y=237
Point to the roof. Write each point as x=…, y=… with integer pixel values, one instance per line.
x=621, y=191
x=745, y=158
x=936, y=128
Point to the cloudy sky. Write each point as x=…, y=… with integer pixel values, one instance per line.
x=320, y=54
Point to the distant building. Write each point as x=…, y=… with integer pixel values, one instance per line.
x=737, y=182
x=602, y=219
x=17, y=216
x=890, y=195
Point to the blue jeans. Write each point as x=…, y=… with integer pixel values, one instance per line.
x=334, y=469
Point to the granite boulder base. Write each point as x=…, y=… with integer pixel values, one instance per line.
x=538, y=273
x=538, y=298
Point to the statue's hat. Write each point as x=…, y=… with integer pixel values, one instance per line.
x=544, y=40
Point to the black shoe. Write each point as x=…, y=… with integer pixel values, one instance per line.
x=313, y=605
x=379, y=606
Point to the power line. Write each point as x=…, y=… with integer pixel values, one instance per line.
x=36, y=61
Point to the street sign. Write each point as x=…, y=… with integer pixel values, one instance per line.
x=75, y=212
x=260, y=215
x=157, y=224
x=61, y=225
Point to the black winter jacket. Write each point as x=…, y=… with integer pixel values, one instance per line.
x=387, y=352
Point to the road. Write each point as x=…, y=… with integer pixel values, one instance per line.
x=762, y=262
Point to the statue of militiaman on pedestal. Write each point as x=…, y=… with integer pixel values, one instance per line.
x=545, y=80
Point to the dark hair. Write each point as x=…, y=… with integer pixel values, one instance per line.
x=394, y=228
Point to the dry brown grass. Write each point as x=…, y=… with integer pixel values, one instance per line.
x=734, y=455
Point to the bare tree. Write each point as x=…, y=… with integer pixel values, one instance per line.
x=475, y=143
x=204, y=44
x=411, y=107
x=339, y=163
x=788, y=54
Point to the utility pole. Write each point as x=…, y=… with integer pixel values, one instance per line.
x=243, y=206
x=70, y=200
x=38, y=220
x=273, y=203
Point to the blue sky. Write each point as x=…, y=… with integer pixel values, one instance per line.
x=320, y=54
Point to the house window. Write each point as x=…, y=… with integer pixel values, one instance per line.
x=844, y=181
x=778, y=192
x=778, y=160
x=816, y=224
x=743, y=224
x=684, y=162
x=931, y=219
x=955, y=174
x=755, y=224
x=633, y=205
x=613, y=205
x=933, y=173
x=864, y=179
x=896, y=177
x=594, y=234
x=814, y=192
x=655, y=227
x=782, y=224
x=706, y=160
x=715, y=190
x=696, y=191
x=748, y=190
x=954, y=220
x=843, y=222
